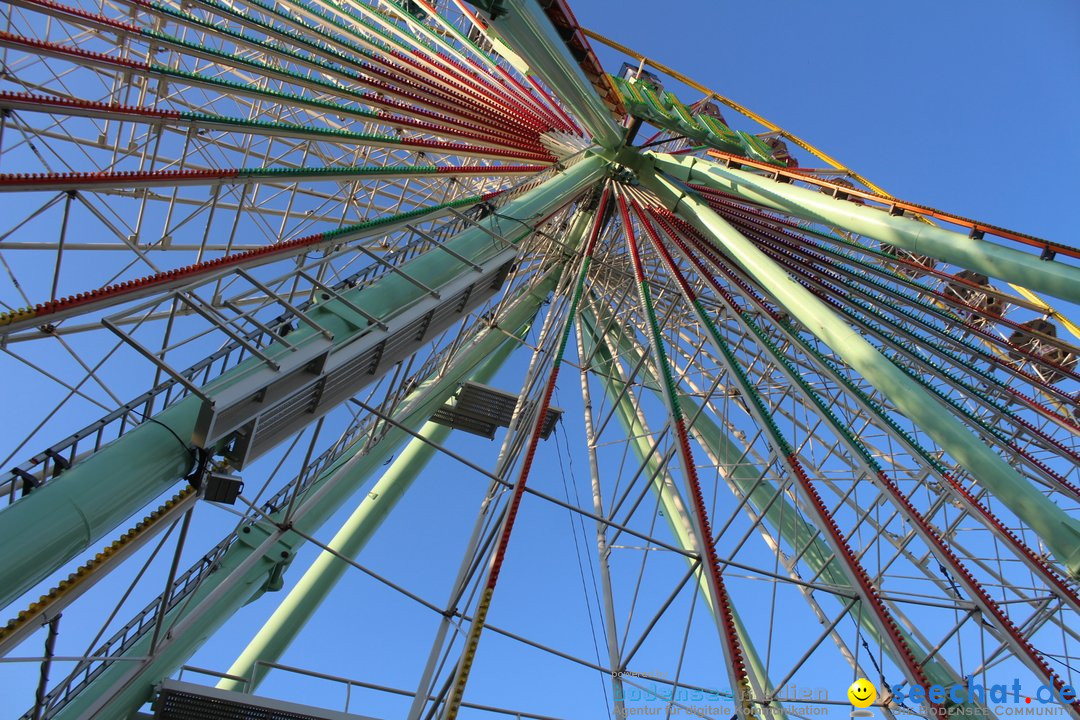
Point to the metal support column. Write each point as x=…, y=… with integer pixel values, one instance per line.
x=121, y=687
x=675, y=511
x=525, y=28
x=282, y=627
x=66, y=516
x=1060, y=532
x=1014, y=266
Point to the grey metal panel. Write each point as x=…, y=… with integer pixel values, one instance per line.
x=481, y=410
x=269, y=413
x=231, y=407
x=186, y=701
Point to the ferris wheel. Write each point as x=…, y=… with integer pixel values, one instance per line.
x=550, y=388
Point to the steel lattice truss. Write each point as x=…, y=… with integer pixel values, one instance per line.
x=821, y=426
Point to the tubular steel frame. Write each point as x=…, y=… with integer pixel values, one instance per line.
x=803, y=403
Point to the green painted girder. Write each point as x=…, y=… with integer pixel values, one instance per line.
x=1058, y=530
x=788, y=523
x=68, y=515
x=525, y=28
x=663, y=486
x=319, y=580
x=1014, y=266
x=122, y=687
x=298, y=606
x=762, y=495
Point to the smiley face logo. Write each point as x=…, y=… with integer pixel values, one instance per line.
x=861, y=693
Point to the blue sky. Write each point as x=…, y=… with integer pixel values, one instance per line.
x=966, y=105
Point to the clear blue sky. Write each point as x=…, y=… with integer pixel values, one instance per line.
x=967, y=105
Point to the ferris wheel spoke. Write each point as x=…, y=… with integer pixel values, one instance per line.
x=189, y=583
x=948, y=246
x=743, y=681
x=161, y=42
x=425, y=50
x=1054, y=579
x=811, y=535
x=1035, y=660
x=464, y=70
x=918, y=304
x=903, y=348
x=431, y=66
x=922, y=422
x=841, y=188
x=102, y=181
x=549, y=113
x=316, y=104
x=276, y=239
x=867, y=393
x=1003, y=388
x=991, y=522
x=392, y=82
x=173, y=280
x=425, y=210
x=399, y=191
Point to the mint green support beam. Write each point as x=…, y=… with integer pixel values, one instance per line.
x=1060, y=532
x=70, y=513
x=786, y=520
x=320, y=579
x=305, y=598
x=1014, y=266
x=525, y=28
x=123, y=686
x=675, y=511
x=794, y=529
